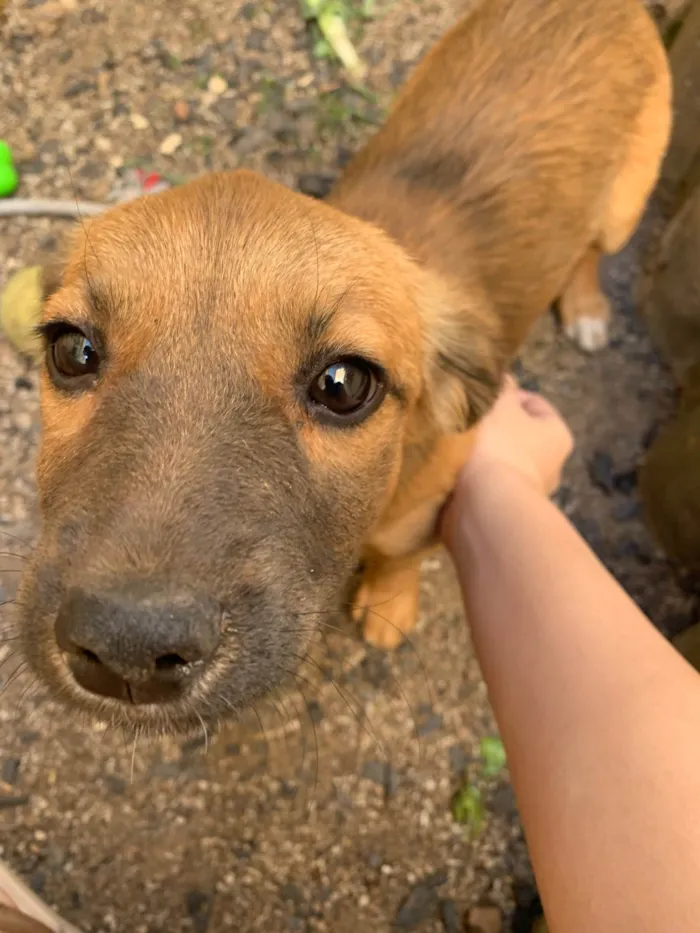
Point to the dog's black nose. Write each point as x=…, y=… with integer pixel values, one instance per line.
x=136, y=644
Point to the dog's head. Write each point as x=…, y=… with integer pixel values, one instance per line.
x=237, y=380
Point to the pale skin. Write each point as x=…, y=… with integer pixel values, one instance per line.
x=599, y=714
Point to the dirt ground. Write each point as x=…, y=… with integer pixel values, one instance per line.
x=332, y=811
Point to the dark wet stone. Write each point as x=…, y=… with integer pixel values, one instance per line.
x=375, y=667
x=193, y=745
x=30, y=167
x=383, y=774
x=589, y=529
x=9, y=772
x=249, y=139
x=288, y=790
x=92, y=170
x=19, y=41
x=115, y=784
x=81, y=86
x=315, y=184
x=21, y=382
x=315, y=711
x=374, y=860
x=421, y=904
x=257, y=40
x=562, y=497
x=199, y=907
x=37, y=882
x=627, y=510
x=625, y=482
x=92, y=17
x=248, y=11
x=292, y=893
x=601, y=471
x=459, y=759
x=398, y=72
x=637, y=551
x=165, y=770
x=427, y=721
x=502, y=802
x=449, y=917
x=343, y=156
x=233, y=749
x=525, y=378
x=11, y=801
x=29, y=736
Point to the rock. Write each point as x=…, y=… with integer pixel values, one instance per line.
x=688, y=644
x=9, y=772
x=449, y=917
x=76, y=88
x=459, y=759
x=138, y=121
x=292, y=893
x=315, y=711
x=625, y=482
x=601, y=471
x=421, y=904
x=625, y=511
x=383, y=774
x=484, y=919
x=217, y=85
x=170, y=144
x=316, y=184
x=199, y=907
x=181, y=111
x=427, y=721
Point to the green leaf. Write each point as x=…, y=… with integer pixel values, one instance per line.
x=468, y=808
x=322, y=49
x=493, y=756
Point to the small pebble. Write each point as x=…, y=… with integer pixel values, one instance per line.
x=217, y=85
x=601, y=471
x=138, y=121
x=170, y=144
x=181, y=110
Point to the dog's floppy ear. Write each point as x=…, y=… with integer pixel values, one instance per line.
x=464, y=356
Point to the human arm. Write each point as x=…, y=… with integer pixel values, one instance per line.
x=599, y=715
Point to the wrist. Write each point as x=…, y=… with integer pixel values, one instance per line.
x=483, y=489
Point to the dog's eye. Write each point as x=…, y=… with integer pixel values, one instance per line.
x=347, y=390
x=72, y=359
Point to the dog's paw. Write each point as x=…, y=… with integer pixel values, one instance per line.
x=386, y=617
x=588, y=333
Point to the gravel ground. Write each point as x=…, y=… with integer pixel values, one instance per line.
x=331, y=810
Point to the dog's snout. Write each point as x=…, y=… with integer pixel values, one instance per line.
x=137, y=646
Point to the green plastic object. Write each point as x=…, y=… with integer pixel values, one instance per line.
x=9, y=179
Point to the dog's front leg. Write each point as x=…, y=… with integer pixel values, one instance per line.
x=386, y=602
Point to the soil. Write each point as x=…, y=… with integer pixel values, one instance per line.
x=331, y=808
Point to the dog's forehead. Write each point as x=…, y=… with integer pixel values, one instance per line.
x=248, y=266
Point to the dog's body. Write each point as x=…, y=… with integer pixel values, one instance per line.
x=246, y=392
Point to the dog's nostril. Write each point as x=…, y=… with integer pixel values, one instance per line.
x=168, y=662
x=88, y=655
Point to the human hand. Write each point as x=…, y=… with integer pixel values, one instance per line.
x=524, y=436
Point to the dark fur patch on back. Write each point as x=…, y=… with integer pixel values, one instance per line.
x=441, y=172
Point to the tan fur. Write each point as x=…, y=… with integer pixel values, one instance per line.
x=523, y=147
x=560, y=114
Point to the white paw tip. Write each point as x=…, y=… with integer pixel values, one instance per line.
x=588, y=333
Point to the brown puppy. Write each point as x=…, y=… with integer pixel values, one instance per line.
x=246, y=392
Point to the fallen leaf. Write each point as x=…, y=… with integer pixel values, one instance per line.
x=20, y=311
